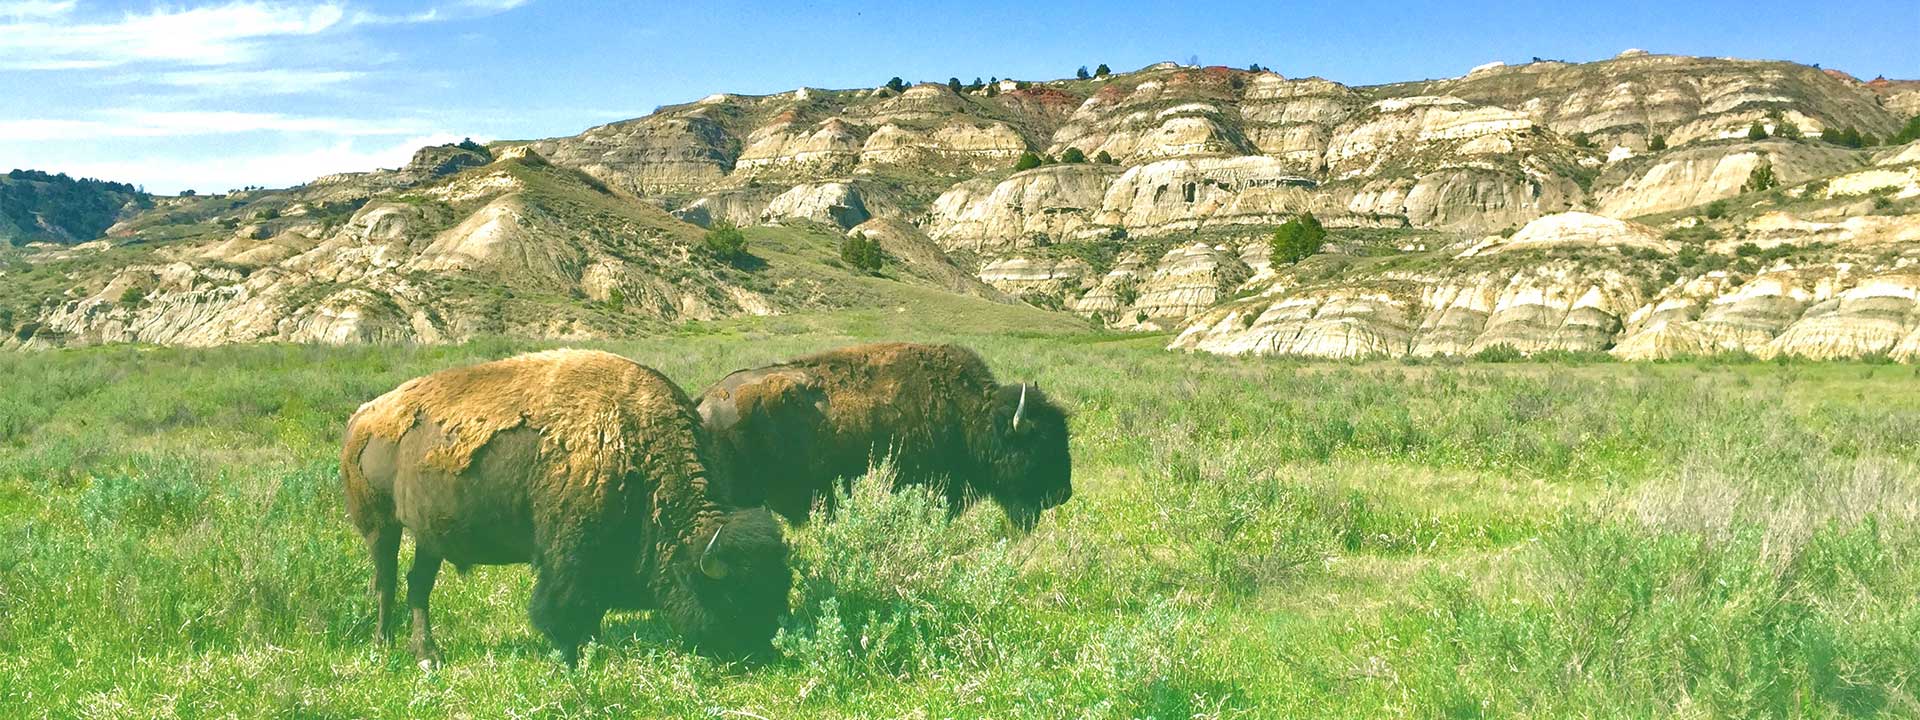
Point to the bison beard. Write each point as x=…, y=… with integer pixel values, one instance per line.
x=935, y=409
x=585, y=464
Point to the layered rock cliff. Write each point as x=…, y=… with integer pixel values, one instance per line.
x=1623, y=206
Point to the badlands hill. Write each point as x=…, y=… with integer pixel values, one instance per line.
x=1648, y=206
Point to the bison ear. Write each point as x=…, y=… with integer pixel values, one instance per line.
x=710, y=565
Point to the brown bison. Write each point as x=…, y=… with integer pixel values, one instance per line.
x=935, y=409
x=585, y=464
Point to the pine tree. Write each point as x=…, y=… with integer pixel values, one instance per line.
x=1073, y=155
x=1657, y=143
x=1102, y=71
x=1761, y=178
x=1082, y=73
x=1757, y=131
x=953, y=84
x=1028, y=161
x=1104, y=158
x=896, y=84
x=861, y=253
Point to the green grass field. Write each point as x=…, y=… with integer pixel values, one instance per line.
x=1248, y=538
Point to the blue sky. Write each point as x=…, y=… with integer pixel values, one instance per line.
x=219, y=94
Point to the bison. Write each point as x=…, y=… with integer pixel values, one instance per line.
x=587, y=465
x=935, y=409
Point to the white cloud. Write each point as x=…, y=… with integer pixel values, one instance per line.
x=35, y=8
x=211, y=35
x=46, y=34
x=271, y=168
x=277, y=81
x=139, y=123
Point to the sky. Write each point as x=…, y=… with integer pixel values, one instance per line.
x=215, y=95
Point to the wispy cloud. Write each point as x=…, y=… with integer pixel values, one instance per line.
x=154, y=124
x=273, y=168
x=50, y=35
x=274, y=81
x=34, y=8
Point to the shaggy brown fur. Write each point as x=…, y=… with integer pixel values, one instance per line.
x=794, y=428
x=585, y=464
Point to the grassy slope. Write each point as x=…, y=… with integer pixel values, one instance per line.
x=1248, y=539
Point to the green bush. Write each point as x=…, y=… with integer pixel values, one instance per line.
x=1073, y=155
x=132, y=297
x=1908, y=133
x=1028, y=161
x=1761, y=178
x=1716, y=209
x=1297, y=239
x=1757, y=131
x=1104, y=158
x=862, y=254
x=1657, y=143
x=1102, y=71
x=725, y=242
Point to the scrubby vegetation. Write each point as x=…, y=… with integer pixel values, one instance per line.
x=38, y=206
x=1297, y=239
x=1248, y=538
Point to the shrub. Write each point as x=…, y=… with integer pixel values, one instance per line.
x=1757, y=131
x=1657, y=143
x=861, y=253
x=1082, y=73
x=1028, y=161
x=1073, y=155
x=1786, y=129
x=896, y=84
x=1501, y=353
x=132, y=297
x=1747, y=250
x=725, y=242
x=953, y=83
x=1298, y=239
x=1581, y=140
x=1104, y=158
x=1716, y=209
x=1908, y=133
x=1761, y=178
x=1102, y=71
x=887, y=585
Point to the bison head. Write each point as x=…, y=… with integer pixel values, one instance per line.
x=730, y=586
x=1030, y=467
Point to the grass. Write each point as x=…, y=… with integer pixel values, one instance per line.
x=1248, y=538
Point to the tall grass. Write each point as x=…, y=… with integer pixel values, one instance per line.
x=1247, y=539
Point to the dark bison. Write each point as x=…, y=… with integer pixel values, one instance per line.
x=935, y=409
x=585, y=464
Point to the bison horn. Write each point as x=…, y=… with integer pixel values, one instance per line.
x=1020, y=411
x=709, y=566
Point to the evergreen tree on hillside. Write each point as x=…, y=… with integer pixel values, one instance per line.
x=1757, y=131
x=1102, y=71
x=1298, y=239
x=725, y=242
x=861, y=254
x=1762, y=177
x=1907, y=134
x=1028, y=161
x=1104, y=158
x=896, y=84
x=953, y=83
x=1082, y=73
x=1786, y=129
x=1657, y=143
x=1073, y=155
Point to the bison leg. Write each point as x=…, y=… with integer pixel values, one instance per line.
x=563, y=611
x=383, y=543
x=420, y=578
